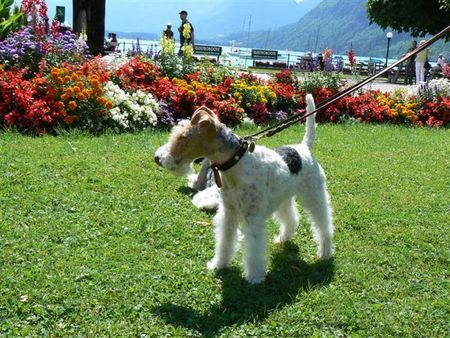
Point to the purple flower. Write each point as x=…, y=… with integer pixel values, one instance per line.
x=279, y=115
x=165, y=116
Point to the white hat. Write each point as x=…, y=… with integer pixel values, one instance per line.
x=169, y=24
x=422, y=42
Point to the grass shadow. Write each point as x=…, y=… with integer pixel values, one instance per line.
x=187, y=191
x=243, y=302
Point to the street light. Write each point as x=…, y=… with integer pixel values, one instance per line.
x=389, y=36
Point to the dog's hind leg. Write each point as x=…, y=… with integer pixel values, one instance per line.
x=226, y=223
x=317, y=204
x=288, y=218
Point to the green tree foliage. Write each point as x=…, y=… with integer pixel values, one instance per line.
x=418, y=17
x=9, y=22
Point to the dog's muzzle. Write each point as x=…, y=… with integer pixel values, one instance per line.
x=158, y=161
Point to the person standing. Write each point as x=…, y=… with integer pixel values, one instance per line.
x=112, y=43
x=186, y=32
x=421, y=59
x=168, y=33
x=410, y=65
x=441, y=60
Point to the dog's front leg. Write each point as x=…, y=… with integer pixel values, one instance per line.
x=255, y=260
x=226, y=224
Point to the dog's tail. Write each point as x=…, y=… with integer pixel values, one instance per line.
x=310, y=133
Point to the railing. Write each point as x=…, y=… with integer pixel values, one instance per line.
x=285, y=60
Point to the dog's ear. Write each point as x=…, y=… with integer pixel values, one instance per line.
x=204, y=117
x=207, y=110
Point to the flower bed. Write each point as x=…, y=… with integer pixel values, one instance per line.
x=49, y=82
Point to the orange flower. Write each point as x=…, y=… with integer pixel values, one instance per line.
x=81, y=96
x=76, y=89
x=59, y=105
x=69, y=91
x=74, y=77
x=108, y=104
x=101, y=100
x=69, y=120
x=72, y=105
x=51, y=93
x=64, y=97
x=54, y=73
x=95, y=83
x=80, y=84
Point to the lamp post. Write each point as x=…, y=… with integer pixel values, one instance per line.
x=389, y=37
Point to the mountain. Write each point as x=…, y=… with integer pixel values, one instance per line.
x=337, y=24
x=240, y=16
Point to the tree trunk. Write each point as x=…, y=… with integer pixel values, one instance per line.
x=89, y=18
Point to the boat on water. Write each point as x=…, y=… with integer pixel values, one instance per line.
x=239, y=52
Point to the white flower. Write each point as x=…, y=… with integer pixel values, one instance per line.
x=115, y=60
x=131, y=111
x=442, y=86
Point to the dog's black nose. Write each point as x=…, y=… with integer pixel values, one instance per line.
x=158, y=160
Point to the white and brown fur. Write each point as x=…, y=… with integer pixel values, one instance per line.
x=263, y=183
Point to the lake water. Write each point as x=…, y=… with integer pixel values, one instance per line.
x=243, y=59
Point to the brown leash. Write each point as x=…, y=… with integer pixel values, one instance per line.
x=270, y=131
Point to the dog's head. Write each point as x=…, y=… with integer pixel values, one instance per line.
x=188, y=141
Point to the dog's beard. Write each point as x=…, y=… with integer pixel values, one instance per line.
x=181, y=170
x=167, y=161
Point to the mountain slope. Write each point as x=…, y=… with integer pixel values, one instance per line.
x=237, y=16
x=337, y=24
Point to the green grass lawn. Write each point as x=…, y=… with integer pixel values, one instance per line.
x=95, y=240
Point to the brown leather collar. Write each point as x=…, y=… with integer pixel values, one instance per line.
x=230, y=163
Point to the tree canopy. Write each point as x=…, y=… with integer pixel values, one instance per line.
x=420, y=17
x=9, y=22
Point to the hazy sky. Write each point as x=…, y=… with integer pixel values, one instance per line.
x=152, y=15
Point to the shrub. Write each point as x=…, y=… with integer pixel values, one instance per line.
x=23, y=106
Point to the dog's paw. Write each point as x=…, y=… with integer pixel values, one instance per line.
x=215, y=264
x=325, y=252
x=256, y=278
x=281, y=238
x=207, y=199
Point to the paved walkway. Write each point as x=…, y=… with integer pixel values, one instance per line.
x=376, y=84
x=381, y=85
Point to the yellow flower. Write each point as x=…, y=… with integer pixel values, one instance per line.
x=188, y=51
x=167, y=46
x=187, y=31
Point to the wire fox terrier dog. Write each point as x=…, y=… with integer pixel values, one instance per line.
x=256, y=183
